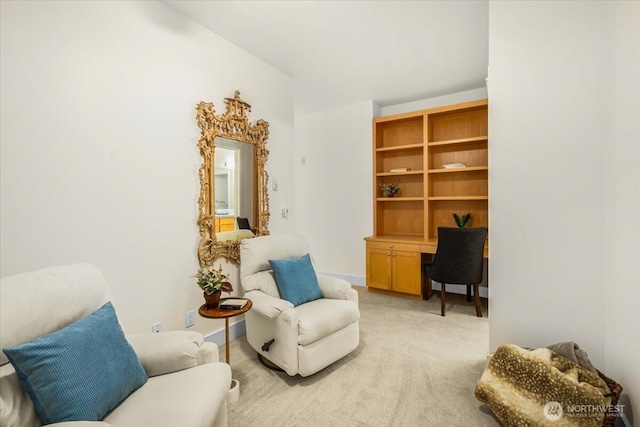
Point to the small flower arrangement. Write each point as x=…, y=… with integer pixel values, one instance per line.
x=211, y=280
x=389, y=189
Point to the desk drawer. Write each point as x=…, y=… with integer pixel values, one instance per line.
x=225, y=224
x=393, y=246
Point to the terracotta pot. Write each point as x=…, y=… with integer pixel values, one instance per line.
x=213, y=300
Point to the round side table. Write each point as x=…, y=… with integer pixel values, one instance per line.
x=219, y=313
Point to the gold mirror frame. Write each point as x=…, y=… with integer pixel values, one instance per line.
x=233, y=124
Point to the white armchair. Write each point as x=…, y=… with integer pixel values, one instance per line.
x=308, y=337
x=186, y=385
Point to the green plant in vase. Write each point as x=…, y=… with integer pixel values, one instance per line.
x=462, y=221
x=213, y=282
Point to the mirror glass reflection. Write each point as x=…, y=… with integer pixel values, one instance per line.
x=226, y=180
x=235, y=184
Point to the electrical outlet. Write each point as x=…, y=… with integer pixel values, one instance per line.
x=189, y=318
x=156, y=327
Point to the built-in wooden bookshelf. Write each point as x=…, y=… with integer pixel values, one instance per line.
x=399, y=143
x=457, y=134
x=429, y=193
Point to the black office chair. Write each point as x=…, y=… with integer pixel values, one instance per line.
x=458, y=260
x=243, y=223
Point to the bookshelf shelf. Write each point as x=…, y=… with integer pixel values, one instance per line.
x=458, y=170
x=400, y=147
x=399, y=199
x=458, y=141
x=416, y=172
x=459, y=198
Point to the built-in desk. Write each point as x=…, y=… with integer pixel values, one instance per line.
x=395, y=264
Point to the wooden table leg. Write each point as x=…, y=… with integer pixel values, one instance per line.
x=226, y=337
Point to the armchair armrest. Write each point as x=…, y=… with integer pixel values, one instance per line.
x=266, y=305
x=171, y=351
x=335, y=288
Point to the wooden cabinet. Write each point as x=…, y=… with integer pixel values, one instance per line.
x=225, y=224
x=394, y=267
x=419, y=152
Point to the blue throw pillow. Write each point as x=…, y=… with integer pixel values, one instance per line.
x=80, y=372
x=296, y=279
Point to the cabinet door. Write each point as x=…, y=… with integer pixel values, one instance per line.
x=227, y=224
x=406, y=269
x=379, y=268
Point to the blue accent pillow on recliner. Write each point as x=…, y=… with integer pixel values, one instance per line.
x=296, y=279
x=80, y=372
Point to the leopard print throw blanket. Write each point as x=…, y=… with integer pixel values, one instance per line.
x=540, y=388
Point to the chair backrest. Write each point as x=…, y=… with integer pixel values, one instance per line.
x=255, y=269
x=243, y=223
x=459, y=255
x=43, y=301
x=34, y=304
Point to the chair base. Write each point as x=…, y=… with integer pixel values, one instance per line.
x=269, y=364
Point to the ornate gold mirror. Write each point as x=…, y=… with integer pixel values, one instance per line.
x=220, y=235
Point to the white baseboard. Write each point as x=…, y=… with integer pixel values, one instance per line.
x=361, y=281
x=625, y=420
x=235, y=330
x=354, y=280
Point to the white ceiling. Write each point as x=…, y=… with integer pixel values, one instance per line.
x=344, y=52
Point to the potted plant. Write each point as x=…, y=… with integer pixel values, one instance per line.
x=462, y=221
x=213, y=282
x=389, y=189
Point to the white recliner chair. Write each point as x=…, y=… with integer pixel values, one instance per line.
x=302, y=339
x=186, y=385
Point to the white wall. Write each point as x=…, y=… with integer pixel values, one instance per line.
x=439, y=101
x=554, y=265
x=622, y=200
x=333, y=206
x=98, y=144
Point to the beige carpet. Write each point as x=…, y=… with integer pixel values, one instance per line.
x=412, y=368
